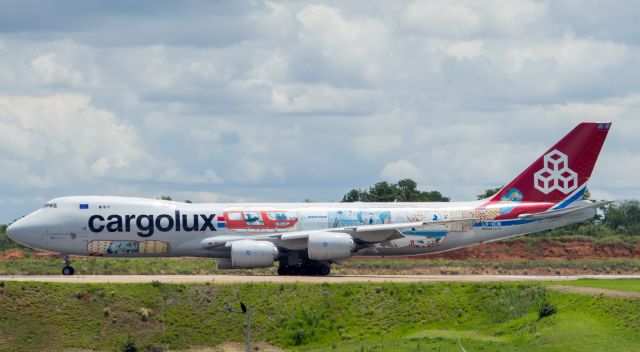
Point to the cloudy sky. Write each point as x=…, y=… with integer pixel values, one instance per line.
x=282, y=101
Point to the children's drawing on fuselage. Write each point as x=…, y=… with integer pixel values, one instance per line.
x=261, y=220
x=416, y=238
x=122, y=247
x=425, y=238
x=112, y=247
x=426, y=215
x=342, y=218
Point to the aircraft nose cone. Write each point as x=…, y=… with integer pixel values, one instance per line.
x=11, y=231
x=23, y=231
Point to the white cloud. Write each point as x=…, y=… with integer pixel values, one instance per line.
x=443, y=18
x=178, y=176
x=52, y=71
x=469, y=18
x=351, y=47
x=249, y=170
x=400, y=169
x=75, y=140
x=323, y=98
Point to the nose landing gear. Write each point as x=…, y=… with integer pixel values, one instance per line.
x=67, y=269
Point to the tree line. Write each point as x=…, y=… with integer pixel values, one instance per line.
x=405, y=190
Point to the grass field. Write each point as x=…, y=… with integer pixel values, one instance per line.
x=121, y=266
x=617, y=284
x=342, y=317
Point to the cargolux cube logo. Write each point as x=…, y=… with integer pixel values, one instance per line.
x=556, y=174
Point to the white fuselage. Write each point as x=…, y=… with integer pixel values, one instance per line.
x=135, y=227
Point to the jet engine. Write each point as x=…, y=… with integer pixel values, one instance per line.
x=253, y=254
x=330, y=246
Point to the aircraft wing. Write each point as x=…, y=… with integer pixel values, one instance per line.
x=376, y=233
x=367, y=233
x=550, y=214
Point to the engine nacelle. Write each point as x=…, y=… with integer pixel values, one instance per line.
x=330, y=246
x=253, y=254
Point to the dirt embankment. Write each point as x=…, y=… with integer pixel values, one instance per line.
x=17, y=253
x=544, y=249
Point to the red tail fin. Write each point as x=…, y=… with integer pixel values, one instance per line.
x=563, y=169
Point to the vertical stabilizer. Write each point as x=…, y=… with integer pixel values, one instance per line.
x=563, y=170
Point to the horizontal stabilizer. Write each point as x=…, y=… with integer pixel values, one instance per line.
x=562, y=212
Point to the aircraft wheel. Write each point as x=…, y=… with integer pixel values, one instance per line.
x=324, y=270
x=282, y=270
x=68, y=270
x=308, y=270
x=292, y=270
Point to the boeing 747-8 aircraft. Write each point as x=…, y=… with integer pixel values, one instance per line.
x=306, y=238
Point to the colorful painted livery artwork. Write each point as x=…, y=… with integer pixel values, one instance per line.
x=342, y=218
x=117, y=247
x=260, y=220
x=429, y=238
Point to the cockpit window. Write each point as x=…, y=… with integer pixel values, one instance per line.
x=51, y=205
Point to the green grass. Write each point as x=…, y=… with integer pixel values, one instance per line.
x=349, y=317
x=187, y=266
x=615, y=284
x=203, y=266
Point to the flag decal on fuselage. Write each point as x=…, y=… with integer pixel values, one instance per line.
x=221, y=222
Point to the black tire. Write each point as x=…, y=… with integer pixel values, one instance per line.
x=292, y=270
x=68, y=270
x=282, y=270
x=324, y=270
x=307, y=270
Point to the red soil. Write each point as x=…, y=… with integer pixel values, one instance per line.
x=544, y=249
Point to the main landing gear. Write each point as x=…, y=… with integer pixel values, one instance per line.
x=307, y=267
x=67, y=269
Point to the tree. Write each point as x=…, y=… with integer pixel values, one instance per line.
x=489, y=192
x=587, y=194
x=354, y=195
x=433, y=196
x=383, y=192
x=405, y=190
x=164, y=198
x=188, y=201
x=625, y=213
x=409, y=190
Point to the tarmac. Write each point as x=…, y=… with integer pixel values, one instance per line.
x=228, y=279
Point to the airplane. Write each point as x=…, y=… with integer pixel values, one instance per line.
x=307, y=238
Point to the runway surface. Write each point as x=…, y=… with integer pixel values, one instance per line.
x=306, y=279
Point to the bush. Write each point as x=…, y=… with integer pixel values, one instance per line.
x=546, y=309
x=129, y=346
